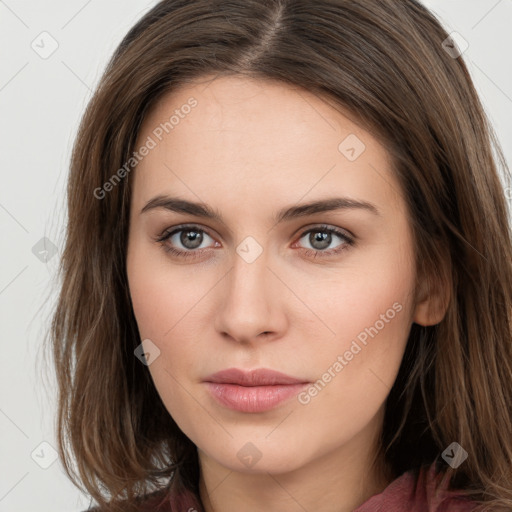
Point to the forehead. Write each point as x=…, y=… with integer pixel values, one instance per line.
x=267, y=141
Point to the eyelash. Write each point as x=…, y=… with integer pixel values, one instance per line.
x=348, y=241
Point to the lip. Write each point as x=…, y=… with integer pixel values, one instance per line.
x=257, y=390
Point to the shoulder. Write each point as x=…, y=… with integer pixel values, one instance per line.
x=420, y=490
x=438, y=495
x=156, y=501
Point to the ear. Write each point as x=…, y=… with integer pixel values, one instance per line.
x=432, y=299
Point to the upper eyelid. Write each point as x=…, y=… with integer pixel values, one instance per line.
x=177, y=229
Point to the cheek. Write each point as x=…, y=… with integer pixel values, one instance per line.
x=160, y=296
x=353, y=372
x=162, y=306
x=369, y=312
x=370, y=296
x=167, y=304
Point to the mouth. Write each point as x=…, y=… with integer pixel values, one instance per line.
x=253, y=391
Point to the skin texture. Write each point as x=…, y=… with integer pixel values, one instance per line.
x=247, y=149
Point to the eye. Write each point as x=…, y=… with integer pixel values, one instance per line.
x=189, y=237
x=321, y=237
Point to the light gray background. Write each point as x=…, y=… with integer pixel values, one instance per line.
x=41, y=101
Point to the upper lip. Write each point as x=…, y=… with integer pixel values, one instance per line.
x=257, y=377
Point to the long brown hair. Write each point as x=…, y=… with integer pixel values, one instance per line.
x=384, y=62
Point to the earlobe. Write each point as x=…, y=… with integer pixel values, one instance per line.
x=424, y=314
x=432, y=302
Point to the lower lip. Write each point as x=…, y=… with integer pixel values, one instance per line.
x=253, y=398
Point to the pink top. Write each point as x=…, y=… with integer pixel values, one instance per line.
x=402, y=495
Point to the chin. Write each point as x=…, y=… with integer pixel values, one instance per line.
x=259, y=455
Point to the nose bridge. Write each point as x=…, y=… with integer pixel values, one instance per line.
x=249, y=307
x=249, y=274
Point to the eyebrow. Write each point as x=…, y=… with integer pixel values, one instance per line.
x=178, y=205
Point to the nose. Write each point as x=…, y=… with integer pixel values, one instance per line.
x=251, y=308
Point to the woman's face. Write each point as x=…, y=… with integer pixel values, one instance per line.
x=321, y=293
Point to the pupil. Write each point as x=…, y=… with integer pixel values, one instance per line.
x=191, y=236
x=318, y=236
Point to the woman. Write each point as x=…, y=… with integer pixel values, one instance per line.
x=287, y=280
